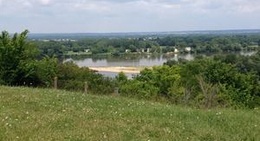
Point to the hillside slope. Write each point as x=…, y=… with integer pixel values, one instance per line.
x=44, y=114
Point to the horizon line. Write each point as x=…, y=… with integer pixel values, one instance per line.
x=133, y=32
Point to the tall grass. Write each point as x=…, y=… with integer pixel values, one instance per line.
x=44, y=114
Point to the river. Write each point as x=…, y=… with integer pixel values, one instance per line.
x=129, y=60
x=147, y=60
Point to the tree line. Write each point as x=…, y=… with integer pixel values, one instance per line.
x=117, y=46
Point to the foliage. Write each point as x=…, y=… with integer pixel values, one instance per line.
x=152, y=83
x=12, y=54
x=18, y=64
x=47, y=70
x=138, y=89
x=72, y=77
x=121, y=78
x=204, y=82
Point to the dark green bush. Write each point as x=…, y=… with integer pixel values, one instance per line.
x=71, y=77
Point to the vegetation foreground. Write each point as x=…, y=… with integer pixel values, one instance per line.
x=45, y=114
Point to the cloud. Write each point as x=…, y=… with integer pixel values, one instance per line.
x=128, y=15
x=45, y=2
x=241, y=6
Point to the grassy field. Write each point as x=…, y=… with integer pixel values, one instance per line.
x=44, y=114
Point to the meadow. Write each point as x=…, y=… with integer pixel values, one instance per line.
x=45, y=114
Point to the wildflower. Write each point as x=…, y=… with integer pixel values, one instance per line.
x=104, y=135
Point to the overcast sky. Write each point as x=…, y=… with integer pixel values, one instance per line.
x=84, y=16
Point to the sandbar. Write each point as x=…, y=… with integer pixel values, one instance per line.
x=133, y=70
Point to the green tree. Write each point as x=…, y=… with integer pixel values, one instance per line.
x=46, y=70
x=121, y=78
x=72, y=77
x=14, y=53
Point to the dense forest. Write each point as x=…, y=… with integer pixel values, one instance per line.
x=206, y=82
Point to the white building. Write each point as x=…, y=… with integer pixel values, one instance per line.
x=176, y=50
x=187, y=49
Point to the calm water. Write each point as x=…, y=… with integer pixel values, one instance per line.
x=129, y=61
x=133, y=61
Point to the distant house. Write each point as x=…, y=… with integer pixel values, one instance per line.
x=45, y=40
x=176, y=50
x=127, y=50
x=86, y=50
x=187, y=49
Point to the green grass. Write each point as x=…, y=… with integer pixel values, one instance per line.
x=44, y=114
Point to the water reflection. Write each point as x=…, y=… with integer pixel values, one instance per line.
x=130, y=61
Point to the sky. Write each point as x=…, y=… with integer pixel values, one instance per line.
x=106, y=16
